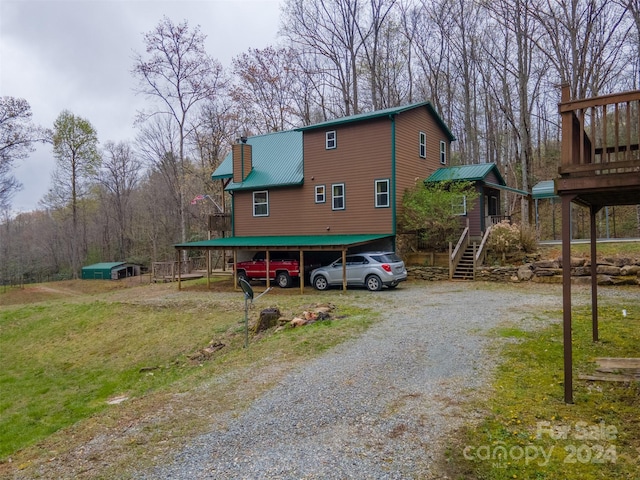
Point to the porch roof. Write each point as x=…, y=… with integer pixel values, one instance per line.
x=469, y=173
x=285, y=242
x=544, y=189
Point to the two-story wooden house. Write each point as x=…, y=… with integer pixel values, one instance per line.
x=330, y=186
x=340, y=177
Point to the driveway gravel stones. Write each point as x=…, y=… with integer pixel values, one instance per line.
x=380, y=406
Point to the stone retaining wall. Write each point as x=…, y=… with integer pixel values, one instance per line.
x=611, y=271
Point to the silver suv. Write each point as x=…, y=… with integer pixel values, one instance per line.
x=369, y=269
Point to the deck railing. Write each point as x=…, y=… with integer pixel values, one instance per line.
x=604, y=134
x=491, y=220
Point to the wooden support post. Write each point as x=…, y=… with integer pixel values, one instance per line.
x=208, y=268
x=566, y=298
x=594, y=274
x=179, y=269
x=344, y=269
x=301, y=273
x=268, y=268
x=235, y=269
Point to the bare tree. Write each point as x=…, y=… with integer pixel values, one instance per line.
x=520, y=72
x=179, y=74
x=17, y=136
x=157, y=143
x=331, y=30
x=583, y=41
x=263, y=89
x=75, y=147
x=378, y=31
x=119, y=177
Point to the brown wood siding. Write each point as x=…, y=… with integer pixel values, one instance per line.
x=241, y=159
x=410, y=167
x=363, y=155
x=475, y=214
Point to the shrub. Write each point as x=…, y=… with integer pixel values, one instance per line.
x=504, y=239
x=433, y=212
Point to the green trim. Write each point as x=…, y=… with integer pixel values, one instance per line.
x=508, y=189
x=393, y=174
x=286, y=241
x=380, y=114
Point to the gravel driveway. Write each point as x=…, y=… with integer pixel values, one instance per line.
x=380, y=406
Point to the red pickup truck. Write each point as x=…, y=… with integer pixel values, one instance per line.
x=282, y=268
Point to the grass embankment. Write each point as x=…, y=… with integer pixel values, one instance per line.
x=65, y=358
x=530, y=433
x=604, y=249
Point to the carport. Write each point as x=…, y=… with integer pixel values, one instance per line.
x=295, y=243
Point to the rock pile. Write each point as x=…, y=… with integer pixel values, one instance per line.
x=610, y=271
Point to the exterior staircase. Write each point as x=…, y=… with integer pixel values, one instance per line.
x=464, y=270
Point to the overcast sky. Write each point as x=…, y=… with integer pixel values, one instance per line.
x=77, y=55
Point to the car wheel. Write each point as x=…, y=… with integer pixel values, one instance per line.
x=242, y=275
x=373, y=283
x=283, y=280
x=320, y=283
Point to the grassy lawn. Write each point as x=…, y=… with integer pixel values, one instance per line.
x=530, y=433
x=65, y=356
x=68, y=348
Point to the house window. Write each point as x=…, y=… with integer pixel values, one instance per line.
x=423, y=145
x=459, y=205
x=331, y=140
x=337, y=196
x=443, y=152
x=261, y=204
x=320, y=194
x=382, y=193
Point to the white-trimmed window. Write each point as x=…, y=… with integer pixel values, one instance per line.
x=331, y=140
x=337, y=196
x=443, y=152
x=261, y=204
x=321, y=195
x=459, y=205
x=382, y=193
x=422, y=150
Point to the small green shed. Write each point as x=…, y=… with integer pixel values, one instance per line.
x=109, y=271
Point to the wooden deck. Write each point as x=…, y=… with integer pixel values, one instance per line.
x=600, y=149
x=600, y=167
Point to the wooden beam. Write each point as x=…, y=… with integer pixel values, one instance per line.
x=566, y=297
x=301, y=273
x=567, y=105
x=344, y=269
x=594, y=274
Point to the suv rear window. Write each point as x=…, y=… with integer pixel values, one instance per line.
x=387, y=258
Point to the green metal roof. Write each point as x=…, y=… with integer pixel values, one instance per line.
x=382, y=113
x=276, y=161
x=544, y=189
x=285, y=241
x=103, y=266
x=470, y=173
